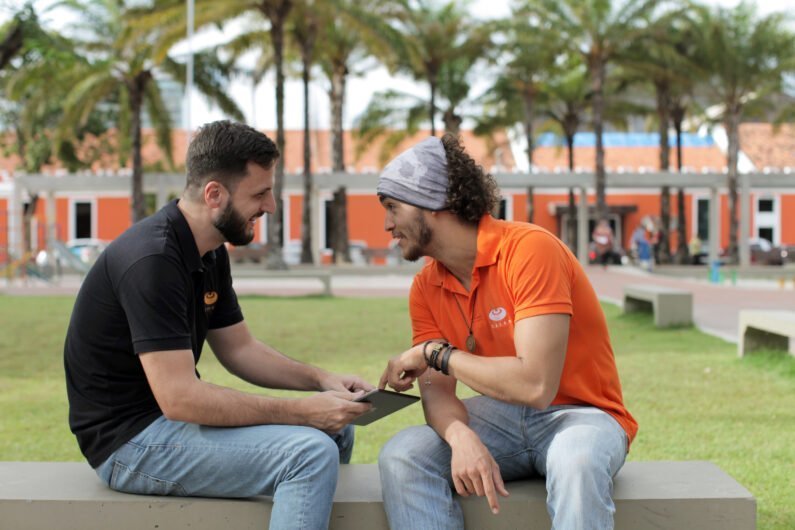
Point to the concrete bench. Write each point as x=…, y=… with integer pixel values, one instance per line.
x=671, y=307
x=766, y=329
x=648, y=495
x=322, y=275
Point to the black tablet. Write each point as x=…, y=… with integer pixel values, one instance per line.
x=385, y=402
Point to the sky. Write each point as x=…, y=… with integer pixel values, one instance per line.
x=258, y=103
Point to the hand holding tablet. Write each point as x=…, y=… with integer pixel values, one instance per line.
x=384, y=403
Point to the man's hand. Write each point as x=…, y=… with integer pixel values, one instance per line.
x=401, y=371
x=474, y=469
x=344, y=383
x=332, y=410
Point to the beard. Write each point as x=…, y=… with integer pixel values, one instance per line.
x=422, y=235
x=233, y=226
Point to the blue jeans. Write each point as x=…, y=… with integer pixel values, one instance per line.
x=577, y=449
x=295, y=465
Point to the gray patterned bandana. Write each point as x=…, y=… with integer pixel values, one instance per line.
x=418, y=176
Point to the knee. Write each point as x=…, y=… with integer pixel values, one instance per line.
x=314, y=453
x=398, y=457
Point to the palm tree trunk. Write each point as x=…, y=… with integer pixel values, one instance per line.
x=277, y=15
x=663, y=105
x=136, y=88
x=432, y=81
x=529, y=109
x=682, y=250
x=306, y=215
x=597, y=68
x=732, y=130
x=339, y=228
x=571, y=224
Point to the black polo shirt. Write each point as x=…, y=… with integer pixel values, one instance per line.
x=148, y=291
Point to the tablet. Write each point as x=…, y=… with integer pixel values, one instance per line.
x=385, y=402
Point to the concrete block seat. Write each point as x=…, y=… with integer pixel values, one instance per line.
x=772, y=329
x=323, y=275
x=671, y=307
x=648, y=495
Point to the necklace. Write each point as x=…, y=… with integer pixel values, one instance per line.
x=470, y=342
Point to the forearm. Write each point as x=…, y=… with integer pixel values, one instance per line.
x=208, y=404
x=264, y=366
x=444, y=412
x=508, y=379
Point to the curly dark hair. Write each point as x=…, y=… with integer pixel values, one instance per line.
x=471, y=192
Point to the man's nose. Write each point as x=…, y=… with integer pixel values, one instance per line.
x=389, y=225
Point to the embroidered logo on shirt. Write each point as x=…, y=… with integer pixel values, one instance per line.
x=210, y=297
x=497, y=314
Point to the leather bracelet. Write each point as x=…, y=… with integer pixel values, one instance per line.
x=425, y=353
x=446, y=359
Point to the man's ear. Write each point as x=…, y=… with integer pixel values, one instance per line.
x=214, y=193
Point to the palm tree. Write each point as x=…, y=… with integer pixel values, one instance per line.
x=169, y=16
x=656, y=60
x=305, y=22
x=122, y=69
x=350, y=32
x=745, y=58
x=432, y=39
x=448, y=72
x=527, y=55
x=566, y=99
x=602, y=31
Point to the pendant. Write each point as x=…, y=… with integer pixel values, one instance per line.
x=471, y=343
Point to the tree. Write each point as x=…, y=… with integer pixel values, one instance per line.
x=169, y=16
x=602, y=31
x=351, y=31
x=565, y=102
x=525, y=57
x=744, y=58
x=441, y=47
x=122, y=69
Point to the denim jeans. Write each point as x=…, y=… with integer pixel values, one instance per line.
x=578, y=450
x=295, y=465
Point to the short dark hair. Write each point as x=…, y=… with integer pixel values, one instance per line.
x=471, y=192
x=221, y=150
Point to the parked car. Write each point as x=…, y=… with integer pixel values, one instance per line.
x=763, y=252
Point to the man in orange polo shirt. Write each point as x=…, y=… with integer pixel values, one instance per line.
x=506, y=309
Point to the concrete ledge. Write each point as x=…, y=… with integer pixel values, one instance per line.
x=671, y=307
x=760, y=329
x=648, y=495
x=323, y=275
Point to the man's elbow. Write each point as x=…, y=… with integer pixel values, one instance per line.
x=539, y=396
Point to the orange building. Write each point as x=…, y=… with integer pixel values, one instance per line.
x=105, y=213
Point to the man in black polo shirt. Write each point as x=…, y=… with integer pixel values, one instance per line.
x=142, y=416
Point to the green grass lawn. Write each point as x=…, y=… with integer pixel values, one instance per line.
x=693, y=398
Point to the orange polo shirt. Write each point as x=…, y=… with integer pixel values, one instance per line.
x=522, y=271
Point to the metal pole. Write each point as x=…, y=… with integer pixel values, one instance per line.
x=189, y=73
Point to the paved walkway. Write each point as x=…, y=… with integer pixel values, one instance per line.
x=716, y=307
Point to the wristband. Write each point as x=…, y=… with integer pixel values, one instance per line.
x=446, y=359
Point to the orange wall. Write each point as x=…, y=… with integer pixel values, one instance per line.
x=62, y=218
x=113, y=217
x=788, y=219
x=366, y=220
x=3, y=224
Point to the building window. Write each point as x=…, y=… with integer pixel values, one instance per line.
x=503, y=210
x=82, y=220
x=702, y=219
x=765, y=205
x=765, y=233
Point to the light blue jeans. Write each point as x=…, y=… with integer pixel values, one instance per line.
x=577, y=449
x=295, y=465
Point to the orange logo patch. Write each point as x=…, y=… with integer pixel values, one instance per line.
x=210, y=297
